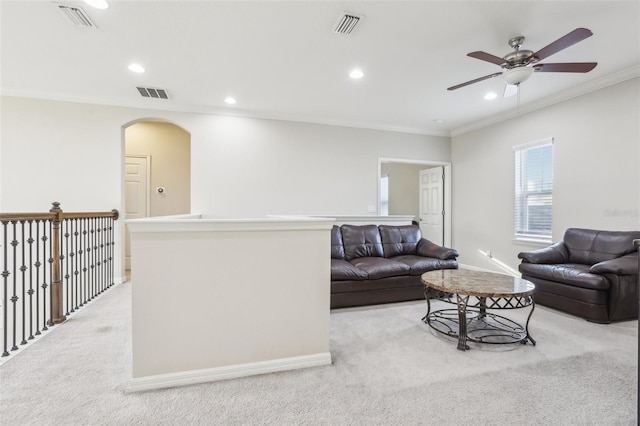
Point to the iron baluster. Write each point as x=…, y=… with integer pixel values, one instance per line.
x=14, y=298
x=100, y=256
x=38, y=265
x=66, y=275
x=85, y=258
x=5, y=282
x=30, y=292
x=23, y=269
x=44, y=286
x=74, y=264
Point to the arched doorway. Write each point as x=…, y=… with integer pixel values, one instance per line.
x=157, y=172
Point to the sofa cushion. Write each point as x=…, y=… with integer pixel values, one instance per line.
x=341, y=270
x=384, y=284
x=566, y=273
x=589, y=246
x=361, y=241
x=419, y=264
x=379, y=267
x=337, y=248
x=399, y=240
x=428, y=249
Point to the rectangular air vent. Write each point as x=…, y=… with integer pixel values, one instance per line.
x=148, y=92
x=76, y=15
x=346, y=23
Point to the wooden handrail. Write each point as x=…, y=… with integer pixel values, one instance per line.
x=11, y=217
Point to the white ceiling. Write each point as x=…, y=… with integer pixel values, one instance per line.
x=282, y=60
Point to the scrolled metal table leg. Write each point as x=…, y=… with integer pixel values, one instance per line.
x=483, y=307
x=526, y=327
x=425, y=319
x=462, y=320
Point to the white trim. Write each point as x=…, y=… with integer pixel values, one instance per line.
x=199, y=223
x=559, y=97
x=447, y=189
x=153, y=104
x=372, y=220
x=161, y=105
x=184, y=378
x=540, y=142
x=533, y=241
x=474, y=268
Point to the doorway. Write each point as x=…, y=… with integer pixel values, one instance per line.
x=157, y=172
x=405, y=194
x=137, y=188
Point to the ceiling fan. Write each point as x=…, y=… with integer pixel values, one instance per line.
x=520, y=64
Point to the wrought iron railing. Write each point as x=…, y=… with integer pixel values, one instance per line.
x=52, y=265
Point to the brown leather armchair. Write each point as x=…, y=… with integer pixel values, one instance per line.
x=592, y=274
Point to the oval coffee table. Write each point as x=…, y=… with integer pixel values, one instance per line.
x=474, y=292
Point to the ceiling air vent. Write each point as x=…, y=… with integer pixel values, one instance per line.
x=76, y=15
x=148, y=92
x=346, y=23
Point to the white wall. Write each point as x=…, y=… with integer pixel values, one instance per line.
x=404, y=187
x=245, y=167
x=596, y=172
x=205, y=316
x=73, y=153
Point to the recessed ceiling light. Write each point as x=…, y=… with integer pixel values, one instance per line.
x=489, y=96
x=438, y=120
x=230, y=100
x=98, y=4
x=136, y=68
x=356, y=73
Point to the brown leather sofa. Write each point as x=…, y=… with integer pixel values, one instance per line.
x=373, y=264
x=592, y=274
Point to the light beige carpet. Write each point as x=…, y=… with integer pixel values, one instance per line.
x=388, y=369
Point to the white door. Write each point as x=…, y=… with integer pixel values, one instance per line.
x=136, y=195
x=432, y=204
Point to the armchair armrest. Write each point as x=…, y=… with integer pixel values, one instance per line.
x=556, y=253
x=625, y=265
x=428, y=249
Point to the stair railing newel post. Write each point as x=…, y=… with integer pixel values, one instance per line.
x=57, y=315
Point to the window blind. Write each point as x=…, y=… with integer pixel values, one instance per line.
x=534, y=190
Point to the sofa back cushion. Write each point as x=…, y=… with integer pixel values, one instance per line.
x=589, y=246
x=361, y=241
x=399, y=240
x=337, y=248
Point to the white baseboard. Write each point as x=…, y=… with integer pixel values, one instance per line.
x=473, y=268
x=183, y=378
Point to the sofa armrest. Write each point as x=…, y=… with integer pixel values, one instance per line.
x=428, y=249
x=556, y=253
x=625, y=265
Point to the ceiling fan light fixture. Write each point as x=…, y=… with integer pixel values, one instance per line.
x=517, y=75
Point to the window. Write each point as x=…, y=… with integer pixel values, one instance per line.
x=384, y=196
x=534, y=190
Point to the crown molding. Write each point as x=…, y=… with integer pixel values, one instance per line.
x=563, y=96
x=167, y=105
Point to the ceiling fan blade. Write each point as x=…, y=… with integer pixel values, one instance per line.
x=484, y=56
x=510, y=90
x=566, y=67
x=570, y=39
x=474, y=81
